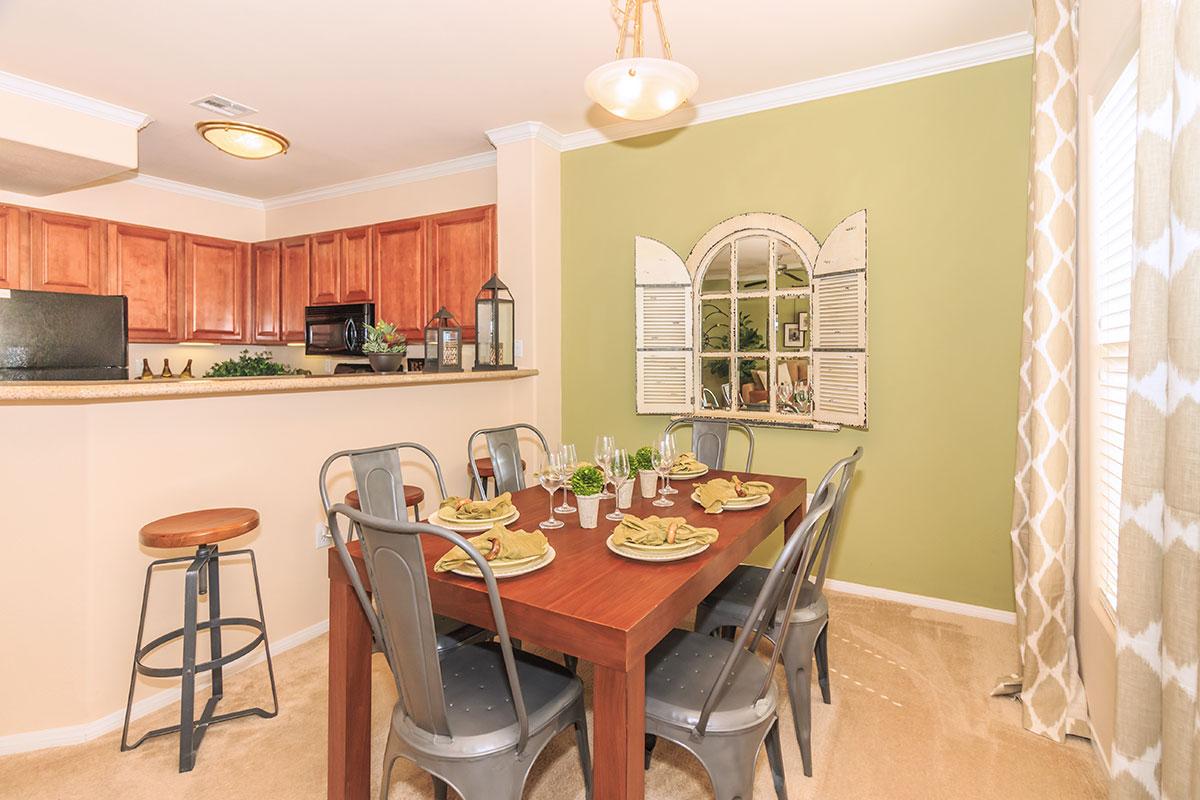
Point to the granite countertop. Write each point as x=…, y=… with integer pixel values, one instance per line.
x=101, y=391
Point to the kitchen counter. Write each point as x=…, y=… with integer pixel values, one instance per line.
x=50, y=392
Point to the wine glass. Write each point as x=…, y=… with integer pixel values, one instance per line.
x=550, y=476
x=662, y=458
x=570, y=462
x=620, y=469
x=603, y=453
x=669, y=441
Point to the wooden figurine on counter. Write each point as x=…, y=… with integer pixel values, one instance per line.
x=166, y=373
x=187, y=370
x=147, y=373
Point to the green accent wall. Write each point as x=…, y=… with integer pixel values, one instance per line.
x=941, y=166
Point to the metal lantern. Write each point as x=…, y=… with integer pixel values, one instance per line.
x=443, y=343
x=494, y=326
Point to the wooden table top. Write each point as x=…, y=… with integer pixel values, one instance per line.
x=591, y=602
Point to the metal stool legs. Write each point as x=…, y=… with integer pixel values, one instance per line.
x=202, y=578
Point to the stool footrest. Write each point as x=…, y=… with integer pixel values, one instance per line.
x=175, y=672
x=206, y=719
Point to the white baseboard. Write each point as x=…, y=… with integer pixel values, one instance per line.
x=77, y=734
x=921, y=601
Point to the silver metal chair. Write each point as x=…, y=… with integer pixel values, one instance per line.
x=475, y=718
x=505, y=458
x=807, y=627
x=380, y=482
x=709, y=437
x=717, y=699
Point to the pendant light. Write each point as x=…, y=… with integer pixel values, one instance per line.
x=640, y=88
x=242, y=140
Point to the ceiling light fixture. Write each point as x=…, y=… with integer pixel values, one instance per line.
x=242, y=140
x=640, y=88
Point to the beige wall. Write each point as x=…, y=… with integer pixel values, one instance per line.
x=1107, y=39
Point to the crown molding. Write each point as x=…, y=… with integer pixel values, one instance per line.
x=203, y=192
x=955, y=58
x=75, y=102
x=423, y=173
x=523, y=131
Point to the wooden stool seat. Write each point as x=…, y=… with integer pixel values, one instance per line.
x=413, y=497
x=196, y=528
x=484, y=465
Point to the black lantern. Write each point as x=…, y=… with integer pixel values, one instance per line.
x=494, y=326
x=443, y=343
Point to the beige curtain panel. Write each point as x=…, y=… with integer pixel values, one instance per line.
x=1043, y=528
x=1157, y=742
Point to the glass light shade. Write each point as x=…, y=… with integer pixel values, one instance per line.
x=641, y=88
x=242, y=140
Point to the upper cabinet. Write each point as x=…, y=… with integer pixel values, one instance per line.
x=215, y=288
x=462, y=256
x=356, y=278
x=10, y=248
x=402, y=296
x=293, y=291
x=143, y=265
x=325, y=267
x=66, y=253
x=265, y=277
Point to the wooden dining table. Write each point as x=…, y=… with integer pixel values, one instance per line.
x=588, y=602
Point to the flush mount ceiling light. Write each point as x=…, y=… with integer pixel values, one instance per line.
x=242, y=140
x=640, y=88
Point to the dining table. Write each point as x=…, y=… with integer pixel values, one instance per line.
x=588, y=602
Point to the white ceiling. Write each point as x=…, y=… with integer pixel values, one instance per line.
x=365, y=87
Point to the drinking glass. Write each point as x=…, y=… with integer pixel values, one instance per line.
x=570, y=462
x=550, y=476
x=603, y=453
x=662, y=458
x=621, y=470
x=669, y=442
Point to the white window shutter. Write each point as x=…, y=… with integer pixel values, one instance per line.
x=663, y=299
x=840, y=311
x=840, y=388
x=839, y=306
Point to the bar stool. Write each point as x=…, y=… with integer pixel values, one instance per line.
x=413, y=496
x=486, y=470
x=202, y=529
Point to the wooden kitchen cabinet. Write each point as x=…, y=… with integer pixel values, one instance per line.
x=325, y=267
x=143, y=265
x=11, y=268
x=401, y=276
x=66, y=253
x=266, y=273
x=357, y=273
x=462, y=256
x=215, y=289
x=293, y=293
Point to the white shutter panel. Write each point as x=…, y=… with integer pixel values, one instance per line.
x=839, y=307
x=663, y=320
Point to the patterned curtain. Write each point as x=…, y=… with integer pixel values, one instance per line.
x=1157, y=743
x=1043, y=528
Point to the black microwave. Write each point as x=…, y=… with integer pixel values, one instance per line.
x=337, y=330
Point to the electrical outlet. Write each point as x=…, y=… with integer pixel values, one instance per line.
x=519, y=348
x=324, y=538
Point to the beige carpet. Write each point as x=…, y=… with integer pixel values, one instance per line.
x=911, y=718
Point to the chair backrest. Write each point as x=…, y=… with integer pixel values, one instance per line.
x=505, y=452
x=396, y=567
x=709, y=437
x=842, y=472
x=779, y=595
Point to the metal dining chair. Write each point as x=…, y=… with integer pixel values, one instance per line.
x=504, y=451
x=806, y=632
x=380, y=481
x=716, y=698
x=709, y=437
x=475, y=718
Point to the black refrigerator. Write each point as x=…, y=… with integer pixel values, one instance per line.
x=56, y=336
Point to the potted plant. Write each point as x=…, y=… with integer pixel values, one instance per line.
x=586, y=484
x=647, y=477
x=385, y=347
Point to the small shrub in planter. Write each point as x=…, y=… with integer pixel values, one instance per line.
x=647, y=477
x=385, y=347
x=586, y=484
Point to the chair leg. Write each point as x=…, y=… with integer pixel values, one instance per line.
x=775, y=757
x=262, y=617
x=137, y=648
x=799, y=692
x=440, y=789
x=572, y=663
x=187, y=715
x=391, y=752
x=651, y=741
x=731, y=768
x=823, y=663
x=213, y=568
x=585, y=752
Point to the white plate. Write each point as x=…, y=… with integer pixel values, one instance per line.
x=478, y=526
x=643, y=555
x=740, y=505
x=512, y=569
x=689, y=475
x=658, y=548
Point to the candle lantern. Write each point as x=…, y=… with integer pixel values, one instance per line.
x=494, y=326
x=443, y=343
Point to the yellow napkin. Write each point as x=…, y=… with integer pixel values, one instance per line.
x=464, y=510
x=656, y=530
x=715, y=493
x=513, y=545
x=686, y=463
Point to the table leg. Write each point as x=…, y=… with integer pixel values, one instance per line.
x=795, y=518
x=349, y=754
x=619, y=720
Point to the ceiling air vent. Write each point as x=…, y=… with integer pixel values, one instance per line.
x=223, y=106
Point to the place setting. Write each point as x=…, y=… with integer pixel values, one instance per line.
x=732, y=494
x=509, y=553
x=658, y=539
x=464, y=515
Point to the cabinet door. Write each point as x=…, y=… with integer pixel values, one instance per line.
x=265, y=276
x=215, y=289
x=357, y=284
x=293, y=289
x=11, y=272
x=66, y=253
x=324, y=268
x=401, y=276
x=462, y=255
x=143, y=265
